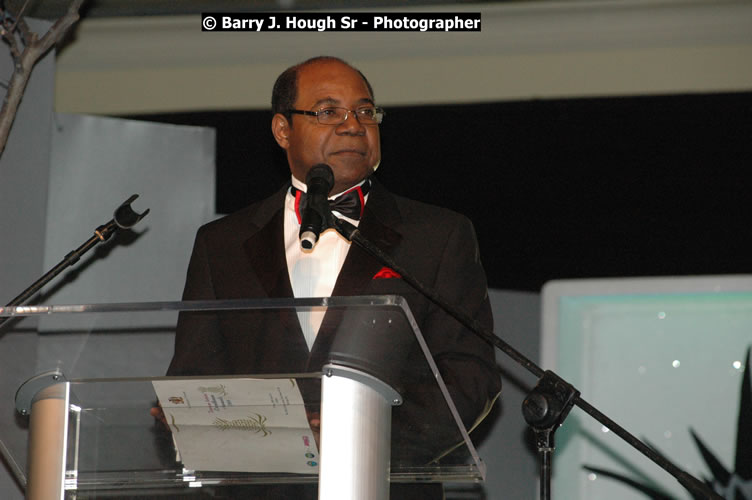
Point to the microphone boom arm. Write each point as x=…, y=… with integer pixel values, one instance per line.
x=552, y=398
x=124, y=218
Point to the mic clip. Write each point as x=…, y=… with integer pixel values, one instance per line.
x=124, y=218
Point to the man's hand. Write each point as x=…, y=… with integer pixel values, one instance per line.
x=158, y=414
x=314, y=421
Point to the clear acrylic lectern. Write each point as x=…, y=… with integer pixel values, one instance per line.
x=84, y=395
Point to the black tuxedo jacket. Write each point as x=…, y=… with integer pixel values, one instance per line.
x=242, y=256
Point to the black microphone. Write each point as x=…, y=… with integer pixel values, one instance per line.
x=319, y=181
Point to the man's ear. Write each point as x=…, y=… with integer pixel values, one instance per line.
x=281, y=130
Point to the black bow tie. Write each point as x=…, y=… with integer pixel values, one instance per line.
x=350, y=203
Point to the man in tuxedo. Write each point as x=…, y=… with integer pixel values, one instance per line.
x=324, y=112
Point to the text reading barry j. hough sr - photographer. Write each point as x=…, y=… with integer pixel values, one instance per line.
x=306, y=21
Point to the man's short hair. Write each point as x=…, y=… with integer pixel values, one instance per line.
x=285, y=90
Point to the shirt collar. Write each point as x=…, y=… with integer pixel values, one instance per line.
x=302, y=186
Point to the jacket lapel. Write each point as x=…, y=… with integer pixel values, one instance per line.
x=379, y=219
x=380, y=216
x=265, y=248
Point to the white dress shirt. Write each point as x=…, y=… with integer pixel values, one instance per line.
x=313, y=273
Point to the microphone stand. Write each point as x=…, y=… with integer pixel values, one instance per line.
x=124, y=218
x=549, y=403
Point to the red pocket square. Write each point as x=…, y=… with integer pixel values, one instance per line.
x=386, y=272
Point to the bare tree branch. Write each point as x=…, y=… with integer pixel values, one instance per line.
x=19, y=16
x=33, y=50
x=10, y=39
x=27, y=36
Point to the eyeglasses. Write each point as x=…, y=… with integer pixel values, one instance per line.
x=367, y=115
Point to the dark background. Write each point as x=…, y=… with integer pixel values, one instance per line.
x=573, y=188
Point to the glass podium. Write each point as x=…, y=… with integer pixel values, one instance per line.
x=84, y=379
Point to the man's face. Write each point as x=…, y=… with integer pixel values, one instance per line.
x=350, y=148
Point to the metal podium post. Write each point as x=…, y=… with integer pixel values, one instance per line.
x=356, y=413
x=45, y=399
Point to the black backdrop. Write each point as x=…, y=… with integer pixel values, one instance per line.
x=575, y=188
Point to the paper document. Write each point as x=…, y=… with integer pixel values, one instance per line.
x=239, y=424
